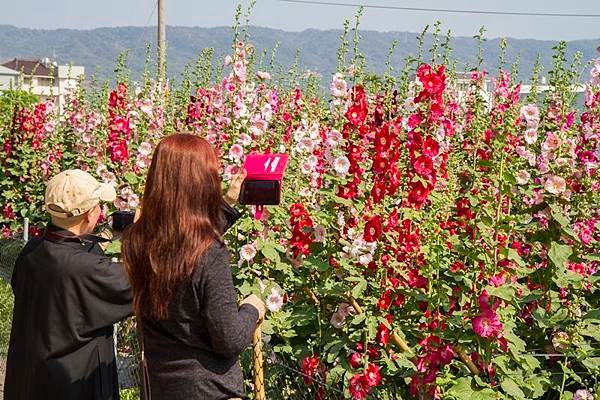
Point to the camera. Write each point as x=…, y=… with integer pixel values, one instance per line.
x=122, y=219
x=260, y=192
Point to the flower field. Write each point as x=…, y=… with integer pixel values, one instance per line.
x=434, y=236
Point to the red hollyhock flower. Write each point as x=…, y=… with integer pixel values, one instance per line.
x=385, y=301
x=380, y=164
x=309, y=368
x=383, y=140
x=430, y=147
x=372, y=375
x=433, y=82
x=418, y=193
x=378, y=191
x=118, y=152
x=423, y=165
x=356, y=114
x=355, y=360
x=358, y=387
x=383, y=334
x=373, y=229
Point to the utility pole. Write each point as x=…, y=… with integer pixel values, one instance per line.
x=162, y=43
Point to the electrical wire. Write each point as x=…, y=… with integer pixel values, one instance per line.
x=444, y=10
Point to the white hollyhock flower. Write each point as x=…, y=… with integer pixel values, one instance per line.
x=523, y=177
x=247, y=252
x=341, y=165
x=274, y=301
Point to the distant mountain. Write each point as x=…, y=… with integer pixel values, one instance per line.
x=98, y=49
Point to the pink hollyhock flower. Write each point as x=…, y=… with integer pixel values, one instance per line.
x=265, y=76
x=531, y=114
x=584, y=394
x=555, y=184
x=338, y=87
x=487, y=324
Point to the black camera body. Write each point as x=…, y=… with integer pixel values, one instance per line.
x=260, y=192
x=122, y=219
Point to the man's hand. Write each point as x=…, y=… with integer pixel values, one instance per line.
x=233, y=193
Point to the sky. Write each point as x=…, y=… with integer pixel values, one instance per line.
x=88, y=14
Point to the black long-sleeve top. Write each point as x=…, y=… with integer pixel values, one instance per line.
x=193, y=354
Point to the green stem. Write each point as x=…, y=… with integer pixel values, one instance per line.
x=564, y=380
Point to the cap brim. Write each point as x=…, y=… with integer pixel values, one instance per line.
x=106, y=192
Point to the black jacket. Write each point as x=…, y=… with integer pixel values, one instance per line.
x=67, y=297
x=193, y=354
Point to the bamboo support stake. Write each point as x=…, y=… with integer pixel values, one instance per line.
x=466, y=359
x=259, y=374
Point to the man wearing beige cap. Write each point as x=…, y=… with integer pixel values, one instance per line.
x=68, y=295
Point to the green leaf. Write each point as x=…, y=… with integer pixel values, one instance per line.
x=514, y=256
x=505, y=292
x=559, y=254
x=592, y=363
x=269, y=252
x=359, y=288
x=511, y=388
x=559, y=216
x=131, y=178
x=113, y=248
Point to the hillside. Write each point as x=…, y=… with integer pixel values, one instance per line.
x=98, y=49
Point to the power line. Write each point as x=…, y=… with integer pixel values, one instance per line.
x=443, y=10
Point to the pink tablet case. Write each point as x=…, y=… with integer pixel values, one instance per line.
x=265, y=167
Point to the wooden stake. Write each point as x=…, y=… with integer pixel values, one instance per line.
x=466, y=359
x=259, y=374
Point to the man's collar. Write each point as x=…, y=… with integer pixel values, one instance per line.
x=57, y=234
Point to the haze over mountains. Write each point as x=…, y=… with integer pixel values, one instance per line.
x=98, y=49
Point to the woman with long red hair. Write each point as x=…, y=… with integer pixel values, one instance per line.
x=193, y=328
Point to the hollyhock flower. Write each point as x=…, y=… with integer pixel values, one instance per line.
x=530, y=135
x=236, y=152
x=337, y=320
x=248, y=252
x=430, y=147
x=309, y=368
x=523, y=177
x=531, y=114
x=358, y=387
x=418, y=193
x=145, y=149
x=338, y=87
x=265, y=76
x=423, y=165
x=561, y=341
x=133, y=201
x=554, y=184
x=274, y=300
x=372, y=375
x=118, y=152
x=356, y=114
x=320, y=233
x=487, y=324
x=583, y=394
x=8, y=212
x=552, y=142
x=355, y=360
x=373, y=229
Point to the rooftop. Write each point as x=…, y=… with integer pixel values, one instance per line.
x=32, y=67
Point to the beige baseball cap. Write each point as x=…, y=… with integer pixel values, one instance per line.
x=74, y=192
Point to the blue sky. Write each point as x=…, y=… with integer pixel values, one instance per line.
x=86, y=14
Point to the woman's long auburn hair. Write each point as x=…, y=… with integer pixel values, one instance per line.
x=181, y=216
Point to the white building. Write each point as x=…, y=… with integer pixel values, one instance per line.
x=46, y=79
x=8, y=78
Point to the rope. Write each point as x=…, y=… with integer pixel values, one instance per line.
x=257, y=362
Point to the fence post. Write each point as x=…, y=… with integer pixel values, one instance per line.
x=259, y=375
x=26, y=230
